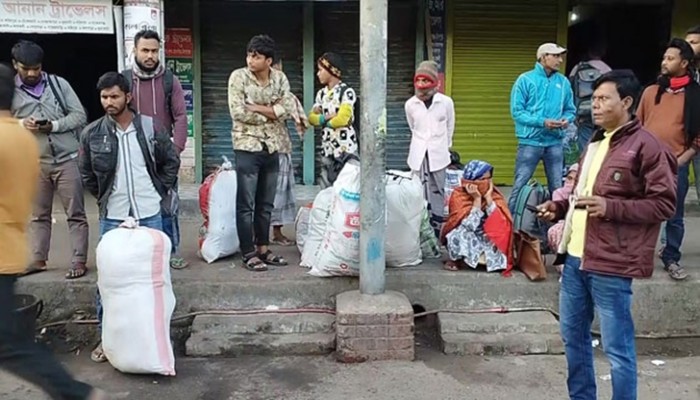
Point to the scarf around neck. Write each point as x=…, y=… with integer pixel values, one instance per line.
x=691, y=108
x=677, y=83
x=141, y=74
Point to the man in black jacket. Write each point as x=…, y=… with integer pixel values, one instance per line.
x=127, y=163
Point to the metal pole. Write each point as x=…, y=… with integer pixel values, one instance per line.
x=373, y=66
x=119, y=34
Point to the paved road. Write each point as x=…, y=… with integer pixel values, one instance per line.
x=434, y=377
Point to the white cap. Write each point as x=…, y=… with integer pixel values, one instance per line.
x=549, y=48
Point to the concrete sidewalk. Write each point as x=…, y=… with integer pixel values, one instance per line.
x=189, y=200
x=661, y=305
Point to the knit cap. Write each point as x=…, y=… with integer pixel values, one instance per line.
x=429, y=70
x=333, y=63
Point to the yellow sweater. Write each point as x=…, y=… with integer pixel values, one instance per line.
x=19, y=163
x=580, y=216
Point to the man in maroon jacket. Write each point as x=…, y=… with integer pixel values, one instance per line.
x=626, y=188
x=157, y=93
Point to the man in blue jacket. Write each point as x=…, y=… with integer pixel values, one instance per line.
x=542, y=106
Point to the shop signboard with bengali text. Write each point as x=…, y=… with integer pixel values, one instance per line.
x=56, y=16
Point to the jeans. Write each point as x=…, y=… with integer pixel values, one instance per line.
x=581, y=293
x=583, y=136
x=675, y=227
x=106, y=225
x=171, y=223
x=21, y=356
x=526, y=162
x=257, y=184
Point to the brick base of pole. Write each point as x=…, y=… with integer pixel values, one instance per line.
x=374, y=328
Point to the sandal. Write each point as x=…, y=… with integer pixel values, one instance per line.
x=450, y=265
x=272, y=259
x=35, y=268
x=676, y=271
x=98, y=354
x=177, y=262
x=254, y=263
x=283, y=241
x=76, y=271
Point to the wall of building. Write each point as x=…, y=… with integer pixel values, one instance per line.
x=179, y=15
x=686, y=13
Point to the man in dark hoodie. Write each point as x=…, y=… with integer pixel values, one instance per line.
x=158, y=94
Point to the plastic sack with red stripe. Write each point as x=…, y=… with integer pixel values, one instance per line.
x=218, y=236
x=133, y=265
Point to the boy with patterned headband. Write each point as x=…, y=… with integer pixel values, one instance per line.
x=431, y=118
x=334, y=112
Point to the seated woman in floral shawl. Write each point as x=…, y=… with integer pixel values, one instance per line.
x=479, y=228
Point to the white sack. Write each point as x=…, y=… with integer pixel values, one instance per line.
x=218, y=236
x=404, y=206
x=338, y=253
x=133, y=266
x=301, y=226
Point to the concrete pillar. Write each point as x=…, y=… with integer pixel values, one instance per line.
x=372, y=324
x=373, y=67
x=139, y=15
x=374, y=328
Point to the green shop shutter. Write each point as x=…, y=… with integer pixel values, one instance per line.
x=494, y=42
x=338, y=30
x=226, y=28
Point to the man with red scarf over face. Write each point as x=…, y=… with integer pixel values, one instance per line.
x=671, y=110
x=431, y=117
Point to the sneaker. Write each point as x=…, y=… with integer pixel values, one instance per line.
x=177, y=262
x=676, y=272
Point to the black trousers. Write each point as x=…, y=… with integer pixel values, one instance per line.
x=257, y=183
x=21, y=356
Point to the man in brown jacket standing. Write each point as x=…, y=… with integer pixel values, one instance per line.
x=19, y=161
x=626, y=188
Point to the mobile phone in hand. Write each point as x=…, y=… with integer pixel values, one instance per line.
x=41, y=122
x=532, y=208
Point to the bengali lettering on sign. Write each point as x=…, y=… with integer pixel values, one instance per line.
x=178, y=43
x=56, y=16
x=438, y=37
x=179, y=59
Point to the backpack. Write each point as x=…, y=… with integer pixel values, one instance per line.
x=57, y=90
x=532, y=194
x=168, y=78
x=582, y=84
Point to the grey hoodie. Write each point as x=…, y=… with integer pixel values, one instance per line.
x=61, y=144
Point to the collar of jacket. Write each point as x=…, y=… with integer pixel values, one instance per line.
x=136, y=121
x=539, y=68
x=629, y=128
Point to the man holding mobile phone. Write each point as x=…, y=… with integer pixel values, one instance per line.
x=542, y=106
x=47, y=106
x=626, y=187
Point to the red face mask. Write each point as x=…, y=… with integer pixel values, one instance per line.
x=428, y=84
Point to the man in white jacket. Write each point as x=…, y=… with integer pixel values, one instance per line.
x=431, y=117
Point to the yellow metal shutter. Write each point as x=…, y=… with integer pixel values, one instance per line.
x=493, y=43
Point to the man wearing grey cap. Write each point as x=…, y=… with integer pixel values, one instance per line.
x=542, y=106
